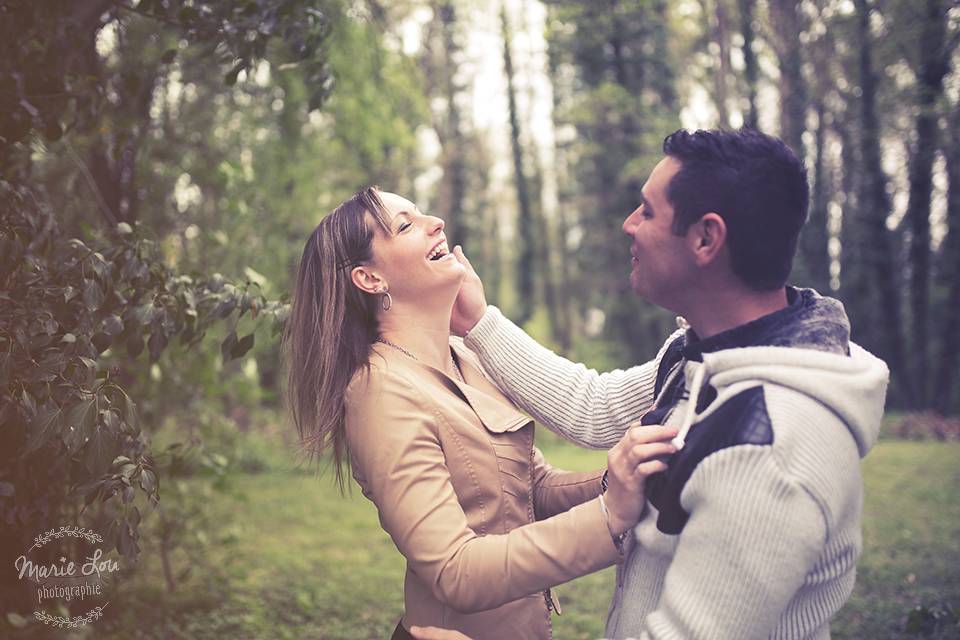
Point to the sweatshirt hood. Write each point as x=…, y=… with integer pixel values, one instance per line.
x=808, y=349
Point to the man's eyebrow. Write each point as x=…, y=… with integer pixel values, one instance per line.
x=646, y=203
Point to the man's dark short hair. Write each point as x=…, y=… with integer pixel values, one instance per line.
x=756, y=184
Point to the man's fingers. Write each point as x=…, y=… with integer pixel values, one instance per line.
x=433, y=633
x=648, y=452
x=650, y=467
x=650, y=433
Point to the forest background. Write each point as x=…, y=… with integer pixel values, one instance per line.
x=163, y=161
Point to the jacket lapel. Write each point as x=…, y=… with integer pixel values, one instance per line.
x=497, y=413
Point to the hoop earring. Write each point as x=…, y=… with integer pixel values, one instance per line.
x=386, y=301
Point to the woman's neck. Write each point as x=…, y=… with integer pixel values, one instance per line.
x=426, y=337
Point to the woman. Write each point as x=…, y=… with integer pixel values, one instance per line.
x=486, y=526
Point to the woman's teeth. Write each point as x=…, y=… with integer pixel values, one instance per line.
x=438, y=252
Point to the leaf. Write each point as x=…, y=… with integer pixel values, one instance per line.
x=89, y=489
x=243, y=345
x=101, y=342
x=168, y=56
x=130, y=269
x=101, y=449
x=112, y=325
x=227, y=347
x=231, y=78
x=131, y=415
x=216, y=283
x=111, y=420
x=30, y=403
x=93, y=295
x=134, y=520
x=7, y=365
x=134, y=345
x=80, y=424
x=145, y=313
x=50, y=326
x=127, y=546
x=256, y=278
x=100, y=265
x=111, y=537
x=157, y=343
x=16, y=620
x=148, y=481
x=246, y=302
x=224, y=309
x=48, y=423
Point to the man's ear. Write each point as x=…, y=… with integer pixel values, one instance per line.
x=366, y=279
x=709, y=238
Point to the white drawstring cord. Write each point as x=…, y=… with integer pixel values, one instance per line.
x=691, y=413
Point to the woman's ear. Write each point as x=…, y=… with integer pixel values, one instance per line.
x=709, y=235
x=365, y=279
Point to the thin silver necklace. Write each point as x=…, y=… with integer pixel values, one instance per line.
x=456, y=369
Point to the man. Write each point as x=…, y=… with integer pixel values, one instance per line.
x=754, y=530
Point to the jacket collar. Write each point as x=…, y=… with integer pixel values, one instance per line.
x=494, y=410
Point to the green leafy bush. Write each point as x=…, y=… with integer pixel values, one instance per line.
x=70, y=312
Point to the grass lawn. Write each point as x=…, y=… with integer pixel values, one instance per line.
x=283, y=556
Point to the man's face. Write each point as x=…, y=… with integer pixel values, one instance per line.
x=662, y=261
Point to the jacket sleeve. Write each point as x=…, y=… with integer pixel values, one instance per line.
x=590, y=409
x=556, y=490
x=753, y=536
x=394, y=438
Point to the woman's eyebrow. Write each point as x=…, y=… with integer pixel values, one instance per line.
x=400, y=213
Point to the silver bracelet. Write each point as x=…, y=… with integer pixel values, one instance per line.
x=617, y=540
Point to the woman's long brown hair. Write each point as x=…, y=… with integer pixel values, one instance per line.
x=331, y=326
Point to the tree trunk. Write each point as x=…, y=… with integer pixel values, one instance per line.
x=875, y=208
x=722, y=36
x=751, y=68
x=793, y=91
x=949, y=342
x=440, y=70
x=933, y=67
x=815, y=238
x=525, y=258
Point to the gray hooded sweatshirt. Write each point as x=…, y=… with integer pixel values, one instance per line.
x=754, y=531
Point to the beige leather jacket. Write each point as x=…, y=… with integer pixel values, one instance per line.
x=486, y=525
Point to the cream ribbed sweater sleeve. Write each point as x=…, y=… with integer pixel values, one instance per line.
x=590, y=409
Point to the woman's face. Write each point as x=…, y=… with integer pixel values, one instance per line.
x=413, y=257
